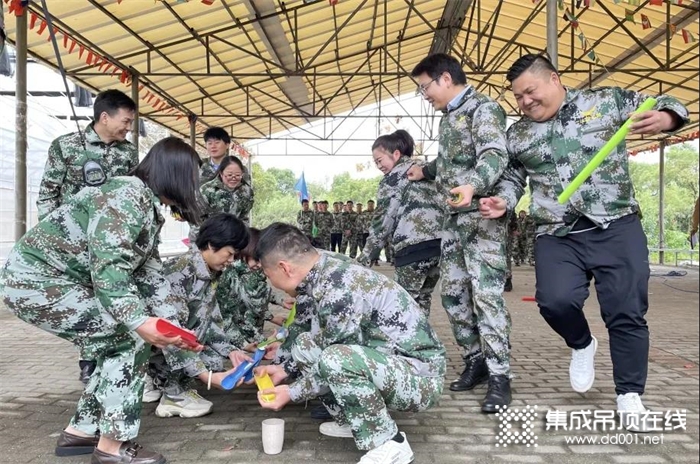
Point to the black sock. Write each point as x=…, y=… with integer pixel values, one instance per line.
x=398, y=437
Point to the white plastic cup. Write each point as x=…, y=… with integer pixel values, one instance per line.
x=273, y=435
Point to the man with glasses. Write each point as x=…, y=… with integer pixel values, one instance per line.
x=471, y=157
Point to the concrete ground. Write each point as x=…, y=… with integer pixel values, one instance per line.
x=39, y=390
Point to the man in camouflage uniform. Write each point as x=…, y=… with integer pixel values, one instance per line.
x=324, y=224
x=84, y=159
x=374, y=349
x=368, y=216
x=598, y=232
x=305, y=219
x=217, y=142
x=471, y=157
x=358, y=230
x=348, y=221
x=336, y=231
x=89, y=273
x=194, y=278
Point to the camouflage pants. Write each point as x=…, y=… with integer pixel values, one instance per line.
x=419, y=279
x=521, y=249
x=389, y=253
x=111, y=401
x=531, y=239
x=354, y=242
x=363, y=385
x=344, y=242
x=510, y=247
x=473, y=271
x=325, y=241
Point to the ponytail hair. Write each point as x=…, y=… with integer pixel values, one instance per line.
x=399, y=140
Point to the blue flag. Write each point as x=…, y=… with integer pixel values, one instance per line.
x=300, y=188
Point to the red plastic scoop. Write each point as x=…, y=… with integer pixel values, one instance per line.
x=170, y=330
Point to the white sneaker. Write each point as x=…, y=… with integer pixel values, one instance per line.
x=391, y=452
x=151, y=393
x=582, y=367
x=633, y=413
x=187, y=404
x=332, y=429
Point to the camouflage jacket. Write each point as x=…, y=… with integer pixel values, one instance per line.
x=63, y=175
x=337, y=223
x=553, y=152
x=244, y=296
x=194, y=289
x=207, y=172
x=219, y=199
x=362, y=223
x=471, y=150
x=357, y=306
x=324, y=223
x=348, y=221
x=305, y=221
x=407, y=213
x=103, y=238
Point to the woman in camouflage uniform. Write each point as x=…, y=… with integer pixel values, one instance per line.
x=89, y=272
x=228, y=192
x=194, y=277
x=244, y=296
x=408, y=217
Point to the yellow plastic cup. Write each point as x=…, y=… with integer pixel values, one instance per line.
x=264, y=382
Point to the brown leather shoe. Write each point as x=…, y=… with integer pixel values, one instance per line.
x=73, y=445
x=129, y=453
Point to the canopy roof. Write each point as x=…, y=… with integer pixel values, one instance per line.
x=259, y=67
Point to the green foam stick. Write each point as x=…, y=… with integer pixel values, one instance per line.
x=616, y=140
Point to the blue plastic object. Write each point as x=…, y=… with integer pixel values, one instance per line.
x=243, y=371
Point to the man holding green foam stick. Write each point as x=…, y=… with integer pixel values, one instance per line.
x=597, y=231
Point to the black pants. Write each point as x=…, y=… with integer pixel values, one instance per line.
x=617, y=258
x=336, y=238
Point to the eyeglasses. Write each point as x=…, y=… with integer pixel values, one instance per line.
x=424, y=87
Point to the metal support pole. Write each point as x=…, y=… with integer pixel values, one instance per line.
x=135, y=97
x=662, y=145
x=193, y=134
x=552, y=33
x=21, y=127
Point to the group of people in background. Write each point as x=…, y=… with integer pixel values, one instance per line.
x=361, y=343
x=344, y=230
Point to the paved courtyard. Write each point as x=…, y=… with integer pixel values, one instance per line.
x=39, y=389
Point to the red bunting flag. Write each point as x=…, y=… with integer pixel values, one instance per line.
x=656, y=2
x=571, y=19
x=81, y=51
x=208, y=2
x=55, y=31
x=32, y=20
x=687, y=36
x=89, y=57
x=65, y=40
x=73, y=43
x=646, y=24
x=42, y=27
